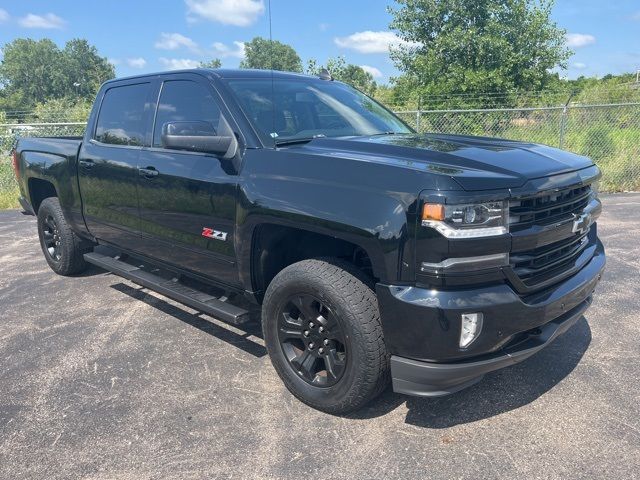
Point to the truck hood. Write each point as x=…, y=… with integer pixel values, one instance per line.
x=475, y=163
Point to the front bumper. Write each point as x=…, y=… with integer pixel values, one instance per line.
x=422, y=328
x=426, y=379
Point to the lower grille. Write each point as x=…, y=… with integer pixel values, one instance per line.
x=541, y=264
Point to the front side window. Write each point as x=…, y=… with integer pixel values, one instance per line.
x=121, y=117
x=191, y=108
x=284, y=110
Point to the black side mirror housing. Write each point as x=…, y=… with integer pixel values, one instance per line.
x=196, y=136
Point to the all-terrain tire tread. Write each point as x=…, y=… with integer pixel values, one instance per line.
x=354, y=288
x=73, y=247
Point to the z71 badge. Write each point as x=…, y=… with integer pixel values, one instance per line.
x=215, y=234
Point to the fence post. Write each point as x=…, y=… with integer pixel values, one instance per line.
x=563, y=120
x=418, y=121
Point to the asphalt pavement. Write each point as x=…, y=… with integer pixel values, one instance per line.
x=100, y=379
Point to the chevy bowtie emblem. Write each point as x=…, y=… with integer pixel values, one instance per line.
x=581, y=223
x=215, y=234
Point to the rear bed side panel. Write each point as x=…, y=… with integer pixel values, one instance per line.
x=53, y=160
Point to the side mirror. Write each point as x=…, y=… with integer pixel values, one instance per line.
x=194, y=137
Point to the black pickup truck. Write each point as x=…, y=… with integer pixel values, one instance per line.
x=374, y=251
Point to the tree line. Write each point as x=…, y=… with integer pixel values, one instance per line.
x=460, y=53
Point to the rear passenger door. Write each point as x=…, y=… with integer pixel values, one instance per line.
x=188, y=199
x=108, y=164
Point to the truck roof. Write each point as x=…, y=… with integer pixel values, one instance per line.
x=225, y=73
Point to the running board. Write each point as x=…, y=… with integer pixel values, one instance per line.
x=170, y=288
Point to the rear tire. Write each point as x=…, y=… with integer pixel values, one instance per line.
x=326, y=304
x=62, y=248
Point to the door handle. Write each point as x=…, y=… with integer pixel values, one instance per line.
x=86, y=163
x=148, y=172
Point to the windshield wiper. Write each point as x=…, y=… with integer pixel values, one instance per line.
x=383, y=133
x=293, y=141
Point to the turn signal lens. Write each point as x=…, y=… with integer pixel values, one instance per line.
x=433, y=211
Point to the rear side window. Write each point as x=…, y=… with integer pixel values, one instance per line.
x=187, y=101
x=121, y=117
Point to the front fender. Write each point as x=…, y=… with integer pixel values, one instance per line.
x=379, y=221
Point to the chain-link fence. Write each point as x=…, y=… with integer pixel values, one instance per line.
x=609, y=134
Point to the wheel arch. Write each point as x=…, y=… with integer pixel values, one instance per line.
x=275, y=246
x=40, y=189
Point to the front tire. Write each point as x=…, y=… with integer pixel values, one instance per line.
x=62, y=248
x=322, y=330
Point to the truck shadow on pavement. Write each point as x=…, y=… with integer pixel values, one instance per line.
x=224, y=333
x=498, y=392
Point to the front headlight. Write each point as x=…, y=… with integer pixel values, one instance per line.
x=471, y=220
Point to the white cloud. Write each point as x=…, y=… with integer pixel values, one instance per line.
x=48, y=20
x=579, y=65
x=114, y=61
x=223, y=51
x=636, y=16
x=577, y=40
x=372, y=42
x=179, y=63
x=375, y=73
x=4, y=15
x=137, y=62
x=174, y=41
x=240, y=13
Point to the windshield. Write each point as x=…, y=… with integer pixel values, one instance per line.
x=286, y=110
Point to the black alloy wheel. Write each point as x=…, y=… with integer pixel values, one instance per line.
x=312, y=340
x=51, y=238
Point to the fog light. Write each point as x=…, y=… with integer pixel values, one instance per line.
x=470, y=328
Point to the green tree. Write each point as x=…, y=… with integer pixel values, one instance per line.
x=30, y=72
x=35, y=71
x=476, y=47
x=214, y=63
x=345, y=72
x=84, y=70
x=266, y=54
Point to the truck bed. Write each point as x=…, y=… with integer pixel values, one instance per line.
x=63, y=146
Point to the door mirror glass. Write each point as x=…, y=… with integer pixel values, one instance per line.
x=196, y=136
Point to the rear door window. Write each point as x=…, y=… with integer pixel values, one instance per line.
x=122, y=113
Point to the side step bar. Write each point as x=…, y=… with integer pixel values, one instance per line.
x=169, y=288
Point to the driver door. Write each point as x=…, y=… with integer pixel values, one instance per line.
x=187, y=200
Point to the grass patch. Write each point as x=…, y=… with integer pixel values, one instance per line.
x=9, y=191
x=9, y=198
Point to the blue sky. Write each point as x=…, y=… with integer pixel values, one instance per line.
x=144, y=36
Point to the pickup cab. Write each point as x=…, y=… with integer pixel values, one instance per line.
x=376, y=254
